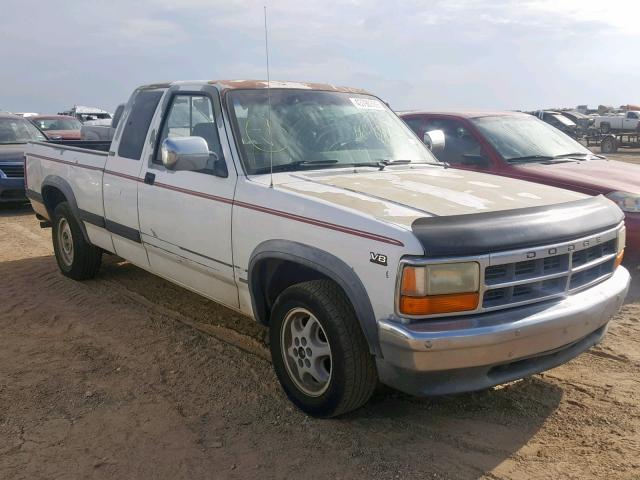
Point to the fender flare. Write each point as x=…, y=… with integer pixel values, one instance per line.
x=63, y=185
x=328, y=265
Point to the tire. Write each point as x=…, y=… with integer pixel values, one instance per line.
x=605, y=127
x=608, y=145
x=76, y=257
x=330, y=322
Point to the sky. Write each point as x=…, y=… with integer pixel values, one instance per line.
x=433, y=55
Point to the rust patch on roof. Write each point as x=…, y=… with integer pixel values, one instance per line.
x=151, y=86
x=259, y=84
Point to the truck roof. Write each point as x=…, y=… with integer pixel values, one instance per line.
x=464, y=114
x=9, y=115
x=225, y=85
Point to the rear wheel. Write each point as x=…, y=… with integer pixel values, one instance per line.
x=76, y=257
x=605, y=127
x=319, y=352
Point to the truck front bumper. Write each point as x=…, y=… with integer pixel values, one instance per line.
x=458, y=354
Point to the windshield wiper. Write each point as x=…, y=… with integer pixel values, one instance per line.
x=573, y=155
x=530, y=158
x=283, y=167
x=384, y=163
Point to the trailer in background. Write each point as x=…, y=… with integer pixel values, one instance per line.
x=610, y=142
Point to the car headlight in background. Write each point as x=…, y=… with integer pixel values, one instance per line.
x=439, y=288
x=628, y=202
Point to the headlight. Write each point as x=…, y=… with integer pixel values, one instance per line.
x=622, y=240
x=440, y=288
x=628, y=202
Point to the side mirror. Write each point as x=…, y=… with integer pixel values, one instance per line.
x=185, y=153
x=434, y=140
x=117, y=115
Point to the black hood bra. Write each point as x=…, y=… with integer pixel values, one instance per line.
x=483, y=233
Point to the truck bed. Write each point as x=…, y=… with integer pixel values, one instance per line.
x=73, y=168
x=99, y=145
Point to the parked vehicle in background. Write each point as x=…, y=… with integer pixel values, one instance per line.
x=559, y=121
x=102, y=132
x=627, y=122
x=25, y=114
x=584, y=122
x=15, y=133
x=521, y=146
x=89, y=114
x=316, y=211
x=611, y=142
x=58, y=127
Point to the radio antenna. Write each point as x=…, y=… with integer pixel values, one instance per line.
x=266, y=49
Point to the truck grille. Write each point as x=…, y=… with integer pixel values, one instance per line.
x=548, y=272
x=13, y=171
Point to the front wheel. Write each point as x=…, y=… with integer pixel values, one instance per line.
x=319, y=352
x=76, y=257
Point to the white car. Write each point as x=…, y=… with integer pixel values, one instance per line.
x=316, y=211
x=627, y=122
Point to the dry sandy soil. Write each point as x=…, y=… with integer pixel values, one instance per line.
x=129, y=377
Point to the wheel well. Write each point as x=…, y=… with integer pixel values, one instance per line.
x=51, y=197
x=271, y=277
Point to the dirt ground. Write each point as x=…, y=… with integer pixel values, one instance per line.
x=129, y=377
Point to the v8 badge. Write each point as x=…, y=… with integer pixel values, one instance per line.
x=378, y=258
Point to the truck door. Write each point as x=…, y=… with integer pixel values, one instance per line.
x=185, y=216
x=630, y=121
x=121, y=175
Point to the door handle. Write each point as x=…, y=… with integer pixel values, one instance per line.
x=149, y=178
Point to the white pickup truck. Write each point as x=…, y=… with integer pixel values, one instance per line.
x=367, y=259
x=618, y=123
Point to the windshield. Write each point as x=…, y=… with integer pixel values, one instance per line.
x=516, y=137
x=318, y=129
x=18, y=130
x=57, y=124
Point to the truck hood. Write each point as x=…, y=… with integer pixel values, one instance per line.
x=12, y=153
x=402, y=194
x=600, y=176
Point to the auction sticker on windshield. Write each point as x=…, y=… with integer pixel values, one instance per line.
x=367, y=103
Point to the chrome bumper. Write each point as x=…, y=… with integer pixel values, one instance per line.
x=470, y=348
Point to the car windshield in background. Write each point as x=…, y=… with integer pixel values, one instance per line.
x=18, y=130
x=525, y=138
x=57, y=124
x=564, y=120
x=317, y=129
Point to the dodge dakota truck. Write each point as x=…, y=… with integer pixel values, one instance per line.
x=315, y=210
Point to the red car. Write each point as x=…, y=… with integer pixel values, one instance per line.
x=521, y=146
x=58, y=127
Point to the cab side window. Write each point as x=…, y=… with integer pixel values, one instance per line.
x=461, y=147
x=192, y=116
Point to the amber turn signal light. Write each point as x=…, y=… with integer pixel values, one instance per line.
x=433, y=304
x=619, y=258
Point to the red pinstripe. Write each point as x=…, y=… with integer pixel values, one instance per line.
x=251, y=206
